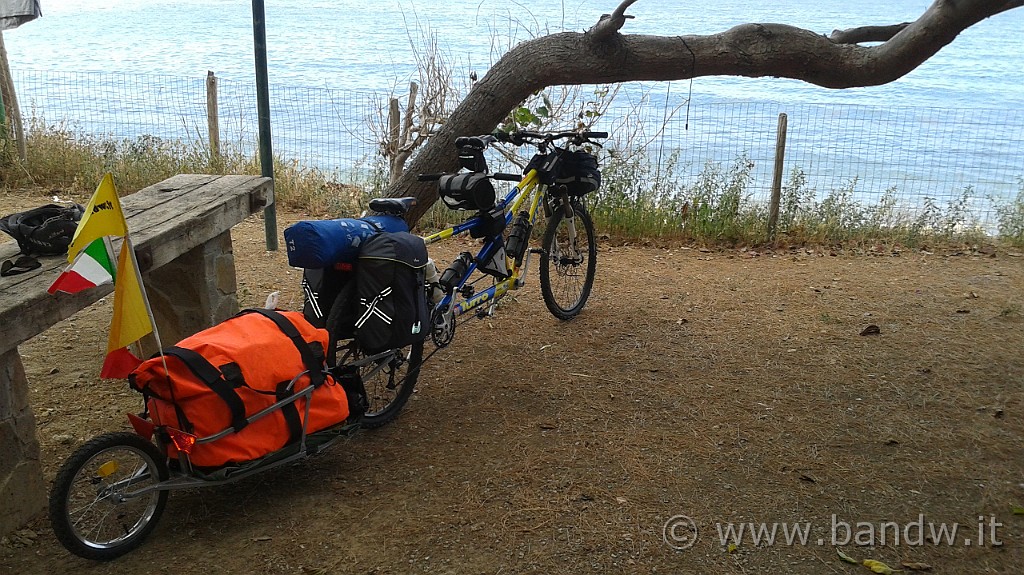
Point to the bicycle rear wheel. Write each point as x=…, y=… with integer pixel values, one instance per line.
x=570, y=260
x=96, y=509
x=389, y=379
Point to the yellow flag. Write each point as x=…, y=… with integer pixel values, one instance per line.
x=103, y=217
x=131, y=315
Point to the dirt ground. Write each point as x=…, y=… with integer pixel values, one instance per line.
x=725, y=386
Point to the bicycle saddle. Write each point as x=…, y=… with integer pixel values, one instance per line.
x=392, y=206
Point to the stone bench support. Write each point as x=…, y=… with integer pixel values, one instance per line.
x=181, y=230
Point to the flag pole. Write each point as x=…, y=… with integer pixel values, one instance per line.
x=145, y=297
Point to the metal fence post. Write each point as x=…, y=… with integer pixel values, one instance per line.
x=259, y=34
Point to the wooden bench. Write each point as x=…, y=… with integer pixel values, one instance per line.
x=181, y=230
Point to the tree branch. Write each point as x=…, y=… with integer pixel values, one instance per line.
x=867, y=34
x=750, y=50
x=610, y=24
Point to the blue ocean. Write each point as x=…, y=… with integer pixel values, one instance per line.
x=955, y=122
x=365, y=45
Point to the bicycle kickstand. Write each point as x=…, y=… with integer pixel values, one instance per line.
x=489, y=312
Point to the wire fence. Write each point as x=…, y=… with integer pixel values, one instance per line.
x=919, y=157
x=912, y=153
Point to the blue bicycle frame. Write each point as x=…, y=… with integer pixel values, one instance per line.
x=528, y=190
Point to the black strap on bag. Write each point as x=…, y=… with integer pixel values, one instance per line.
x=290, y=413
x=225, y=379
x=312, y=359
x=213, y=379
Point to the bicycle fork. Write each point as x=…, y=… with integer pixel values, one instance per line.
x=569, y=215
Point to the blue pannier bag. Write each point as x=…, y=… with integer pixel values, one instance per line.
x=323, y=243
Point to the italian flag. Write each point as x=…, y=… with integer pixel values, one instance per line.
x=92, y=267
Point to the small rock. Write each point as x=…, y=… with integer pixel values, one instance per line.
x=63, y=438
x=871, y=330
x=54, y=371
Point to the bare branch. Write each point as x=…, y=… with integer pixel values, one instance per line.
x=1009, y=5
x=610, y=24
x=867, y=34
x=410, y=111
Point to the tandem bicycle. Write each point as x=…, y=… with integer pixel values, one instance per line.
x=110, y=493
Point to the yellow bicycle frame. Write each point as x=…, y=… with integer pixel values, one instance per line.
x=530, y=190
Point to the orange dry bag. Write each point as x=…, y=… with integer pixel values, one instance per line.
x=219, y=378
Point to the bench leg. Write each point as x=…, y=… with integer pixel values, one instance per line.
x=193, y=292
x=22, y=489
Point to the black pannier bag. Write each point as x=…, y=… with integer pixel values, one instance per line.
x=467, y=191
x=390, y=298
x=579, y=173
x=327, y=295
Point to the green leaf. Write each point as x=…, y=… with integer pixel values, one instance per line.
x=1017, y=510
x=542, y=111
x=524, y=116
x=847, y=558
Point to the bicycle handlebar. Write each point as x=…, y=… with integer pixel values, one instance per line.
x=517, y=138
x=507, y=177
x=495, y=176
x=520, y=137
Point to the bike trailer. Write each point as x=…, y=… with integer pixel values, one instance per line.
x=220, y=378
x=323, y=243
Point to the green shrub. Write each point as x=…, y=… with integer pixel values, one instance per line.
x=640, y=197
x=1011, y=218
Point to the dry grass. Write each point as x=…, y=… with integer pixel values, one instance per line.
x=724, y=385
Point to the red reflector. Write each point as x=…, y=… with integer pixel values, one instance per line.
x=343, y=267
x=143, y=427
x=182, y=441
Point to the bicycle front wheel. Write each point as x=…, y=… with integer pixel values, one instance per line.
x=98, y=508
x=570, y=259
